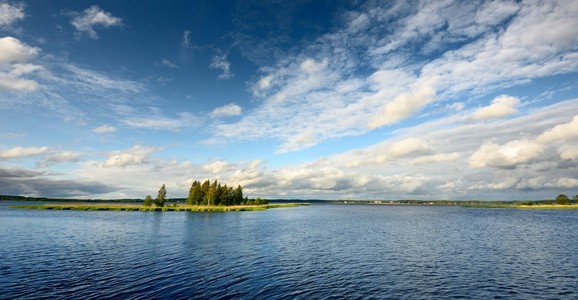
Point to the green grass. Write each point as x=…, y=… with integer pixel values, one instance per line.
x=129, y=207
x=525, y=206
x=549, y=206
x=490, y=205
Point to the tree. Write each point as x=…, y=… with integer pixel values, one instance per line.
x=148, y=201
x=562, y=199
x=161, y=197
x=238, y=195
x=576, y=199
x=205, y=190
x=214, y=193
x=196, y=194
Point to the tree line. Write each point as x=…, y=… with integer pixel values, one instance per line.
x=208, y=193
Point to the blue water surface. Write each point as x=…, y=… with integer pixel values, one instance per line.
x=309, y=252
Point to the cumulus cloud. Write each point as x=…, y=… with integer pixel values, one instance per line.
x=104, y=129
x=8, y=82
x=136, y=155
x=569, y=152
x=506, y=156
x=218, y=167
x=501, y=106
x=221, y=62
x=94, y=17
x=565, y=131
x=382, y=153
x=229, y=110
x=10, y=13
x=13, y=67
x=58, y=157
x=22, y=152
x=518, y=152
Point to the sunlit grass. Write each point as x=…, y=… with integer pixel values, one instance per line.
x=549, y=206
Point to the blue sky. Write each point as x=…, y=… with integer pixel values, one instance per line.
x=291, y=99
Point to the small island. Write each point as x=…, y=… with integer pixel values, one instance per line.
x=205, y=197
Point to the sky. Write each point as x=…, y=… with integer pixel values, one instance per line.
x=290, y=99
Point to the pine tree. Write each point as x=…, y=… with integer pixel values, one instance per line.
x=205, y=191
x=161, y=197
x=193, y=191
x=238, y=195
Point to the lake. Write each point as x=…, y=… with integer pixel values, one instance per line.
x=308, y=252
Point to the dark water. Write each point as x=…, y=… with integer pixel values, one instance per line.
x=321, y=251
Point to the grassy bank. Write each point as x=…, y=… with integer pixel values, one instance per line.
x=548, y=206
x=132, y=207
x=525, y=206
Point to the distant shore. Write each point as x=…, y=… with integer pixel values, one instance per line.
x=134, y=207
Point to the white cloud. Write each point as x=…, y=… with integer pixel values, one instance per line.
x=186, y=39
x=136, y=155
x=382, y=153
x=155, y=119
x=324, y=90
x=359, y=23
x=24, y=69
x=469, y=43
x=229, y=110
x=50, y=156
x=569, y=152
x=13, y=83
x=518, y=152
x=506, y=156
x=94, y=17
x=565, y=131
x=434, y=166
x=88, y=81
x=525, y=49
x=221, y=62
x=10, y=13
x=57, y=88
x=564, y=182
x=104, y=129
x=407, y=147
x=58, y=157
x=402, y=107
x=436, y=158
x=14, y=51
x=169, y=64
x=501, y=106
x=22, y=152
x=218, y=167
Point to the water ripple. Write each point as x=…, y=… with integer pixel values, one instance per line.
x=317, y=252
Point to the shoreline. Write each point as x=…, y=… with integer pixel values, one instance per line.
x=131, y=207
